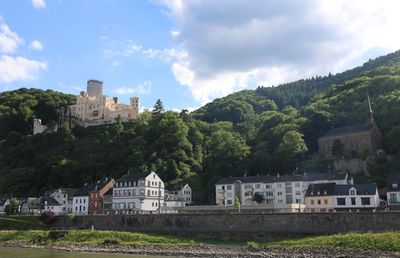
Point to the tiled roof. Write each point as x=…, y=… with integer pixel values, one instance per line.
x=284, y=178
x=50, y=201
x=321, y=189
x=393, y=180
x=133, y=177
x=348, y=130
x=84, y=190
x=176, y=187
x=362, y=189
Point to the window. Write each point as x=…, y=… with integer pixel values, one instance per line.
x=312, y=202
x=148, y=192
x=148, y=183
x=280, y=201
x=223, y=187
x=279, y=185
x=394, y=185
x=353, y=201
x=352, y=192
x=325, y=201
x=228, y=187
x=393, y=198
x=289, y=199
x=229, y=202
x=341, y=201
x=297, y=184
x=229, y=195
x=279, y=193
x=298, y=193
x=258, y=186
x=365, y=201
x=248, y=186
x=298, y=201
x=268, y=186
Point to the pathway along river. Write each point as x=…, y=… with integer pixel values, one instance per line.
x=11, y=252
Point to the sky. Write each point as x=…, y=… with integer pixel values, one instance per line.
x=187, y=53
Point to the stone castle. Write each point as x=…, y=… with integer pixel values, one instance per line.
x=93, y=108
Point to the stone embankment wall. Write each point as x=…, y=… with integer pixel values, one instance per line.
x=298, y=223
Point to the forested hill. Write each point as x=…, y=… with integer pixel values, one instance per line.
x=250, y=132
x=296, y=94
x=18, y=108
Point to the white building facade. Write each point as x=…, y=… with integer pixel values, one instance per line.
x=138, y=192
x=280, y=192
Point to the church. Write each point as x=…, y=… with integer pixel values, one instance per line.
x=360, y=138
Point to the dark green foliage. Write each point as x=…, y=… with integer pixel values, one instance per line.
x=19, y=107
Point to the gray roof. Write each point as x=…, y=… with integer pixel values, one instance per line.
x=84, y=190
x=362, y=189
x=284, y=178
x=393, y=180
x=348, y=130
x=50, y=201
x=321, y=189
x=133, y=177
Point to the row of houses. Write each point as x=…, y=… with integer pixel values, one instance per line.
x=132, y=193
x=315, y=192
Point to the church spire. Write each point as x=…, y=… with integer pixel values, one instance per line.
x=370, y=114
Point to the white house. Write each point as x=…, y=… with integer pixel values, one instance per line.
x=80, y=201
x=280, y=192
x=50, y=204
x=177, y=195
x=61, y=195
x=138, y=192
x=393, y=193
x=356, y=197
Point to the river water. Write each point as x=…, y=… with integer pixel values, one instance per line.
x=11, y=252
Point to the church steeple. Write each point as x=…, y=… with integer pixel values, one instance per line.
x=370, y=114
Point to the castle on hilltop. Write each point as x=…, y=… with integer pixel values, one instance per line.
x=93, y=108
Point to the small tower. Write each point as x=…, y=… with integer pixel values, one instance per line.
x=370, y=114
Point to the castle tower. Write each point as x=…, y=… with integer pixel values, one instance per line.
x=370, y=114
x=134, y=101
x=95, y=88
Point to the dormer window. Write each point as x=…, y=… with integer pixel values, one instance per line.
x=394, y=185
x=325, y=192
x=352, y=192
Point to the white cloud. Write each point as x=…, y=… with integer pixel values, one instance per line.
x=19, y=69
x=231, y=45
x=141, y=89
x=9, y=40
x=167, y=54
x=36, y=45
x=175, y=33
x=39, y=4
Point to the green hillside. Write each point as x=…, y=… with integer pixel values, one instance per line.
x=262, y=131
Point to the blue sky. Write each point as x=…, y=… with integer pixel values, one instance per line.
x=186, y=52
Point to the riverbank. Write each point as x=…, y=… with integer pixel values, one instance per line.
x=168, y=245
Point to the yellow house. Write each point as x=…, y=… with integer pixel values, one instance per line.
x=319, y=197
